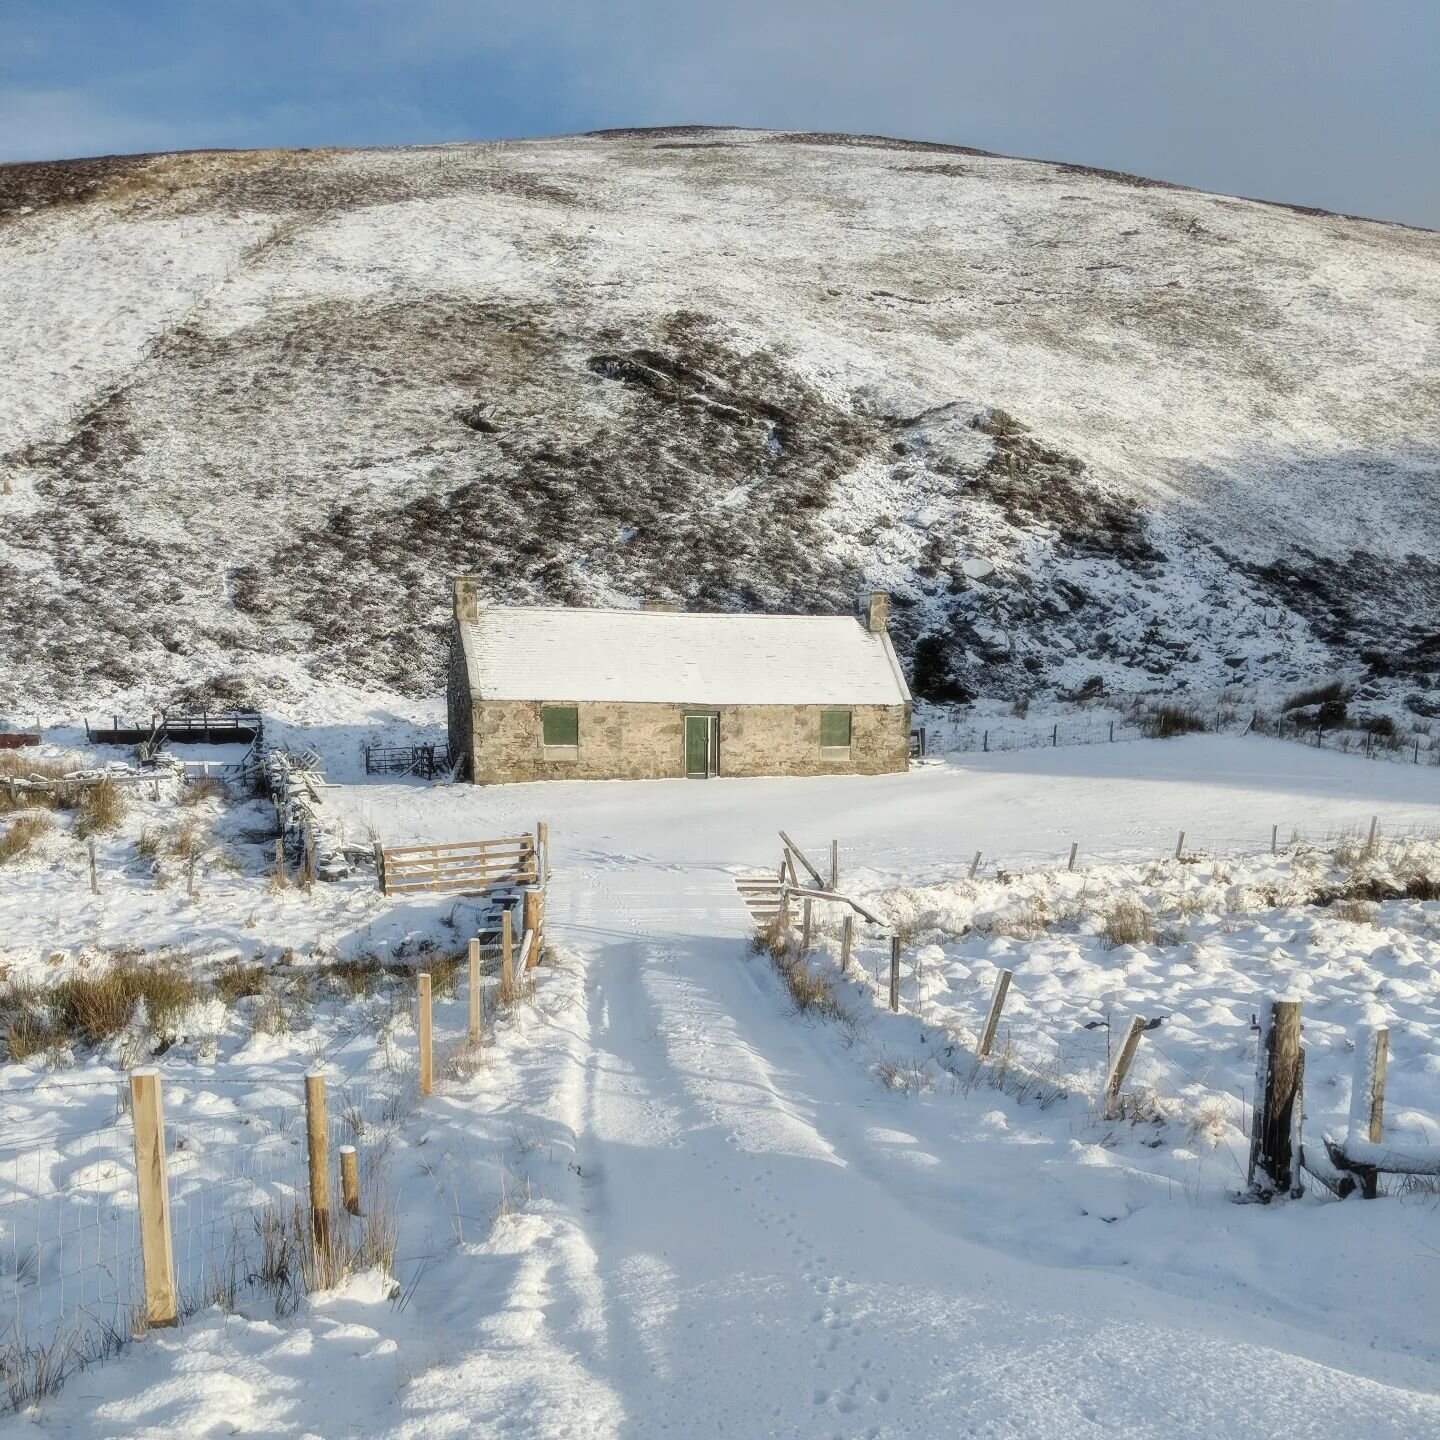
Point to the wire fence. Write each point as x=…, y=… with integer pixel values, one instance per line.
x=72, y=1282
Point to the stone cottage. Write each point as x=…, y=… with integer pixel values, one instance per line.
x=558, y=694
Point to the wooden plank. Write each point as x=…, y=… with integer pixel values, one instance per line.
x=800, y=855
x=895, y=972
x=855, y=905
x=506, y=842
x=475, y=885
x=162, y=1301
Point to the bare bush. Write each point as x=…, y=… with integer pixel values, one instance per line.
x=201, y=789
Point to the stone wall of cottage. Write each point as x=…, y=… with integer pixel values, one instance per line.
x=631, y=741
x=459, y=705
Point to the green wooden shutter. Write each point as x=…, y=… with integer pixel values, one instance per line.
x=835, y=729
x=561, y=724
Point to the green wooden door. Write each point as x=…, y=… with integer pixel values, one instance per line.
x=697, y=745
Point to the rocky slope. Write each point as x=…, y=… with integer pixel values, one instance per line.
x=256, y=408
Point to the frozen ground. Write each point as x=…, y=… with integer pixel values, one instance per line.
x=724, y=1219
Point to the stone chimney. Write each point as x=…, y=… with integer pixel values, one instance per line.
x=467, y=597
x=877, y=612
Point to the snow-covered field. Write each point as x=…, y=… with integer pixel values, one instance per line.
x=663, y=1203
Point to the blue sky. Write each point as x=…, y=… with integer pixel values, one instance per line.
x=1324, y=102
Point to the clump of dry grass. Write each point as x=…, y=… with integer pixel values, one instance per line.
x=235, y=980
x=188, y=840
x=1357, y=912
x=101, y=807
x=92, y=1007
x=1028, y=921
x=205, y=787
x=22, y=833
x=1127, y=922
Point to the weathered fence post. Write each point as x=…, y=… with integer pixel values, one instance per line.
x=317, y=1142
x=974, y=864
x=1374, y=832
x=847, y=938
x=280, y=879
x=474, y=993
x=427, y=1059
x=805, y=929
x=94, y=877
x=153, y=1188
x=507, y=959
x=190, y=876
x=534, y=922
x=895, y=972
x=307, y=872
x=1074, y=850
x=542, y=852
x=834, y=865
x=992, y=1020
x=1367, y=1095
x=1274, y=839
x=1180, y=845
x=1275, y=1156
x=350, y=1179
x=1121, y=1067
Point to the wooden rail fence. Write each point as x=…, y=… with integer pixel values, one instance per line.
x=466, y=865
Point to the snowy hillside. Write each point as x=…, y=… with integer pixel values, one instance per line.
x=256, y=408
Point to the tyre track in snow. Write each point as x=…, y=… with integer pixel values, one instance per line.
x=761, y=1277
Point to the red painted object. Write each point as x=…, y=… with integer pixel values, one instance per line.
x=9, y=741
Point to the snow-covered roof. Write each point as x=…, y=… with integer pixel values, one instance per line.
x=559, y=654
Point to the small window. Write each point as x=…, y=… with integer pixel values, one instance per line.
x=561, y=727
x=835, y=732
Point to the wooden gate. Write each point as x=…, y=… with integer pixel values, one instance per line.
x=467, y=865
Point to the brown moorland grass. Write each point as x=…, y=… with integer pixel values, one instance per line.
x=22, y=833
x=101, y=807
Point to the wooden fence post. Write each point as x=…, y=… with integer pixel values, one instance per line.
x=1121, y=1067
x=1274, y=839
x=1180, y=845
x=474, y=995
x=895, y=972
x=94, y=878
x=847, y=938
x=350, y=1179
x=974, y=864
x=834, y=865
x=1367, y=1094
x=190, y=876
x=507, y=960
x=805, y=930
x=427, y=1058
x=1374, y=833
x=1275, y=1157
x=1074, y=850
x=542, y=846
x=992, y=1020
x=534, y=922
x=280, y=878
x=153, y=1188
x=307, y=873
x=317, y=1139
